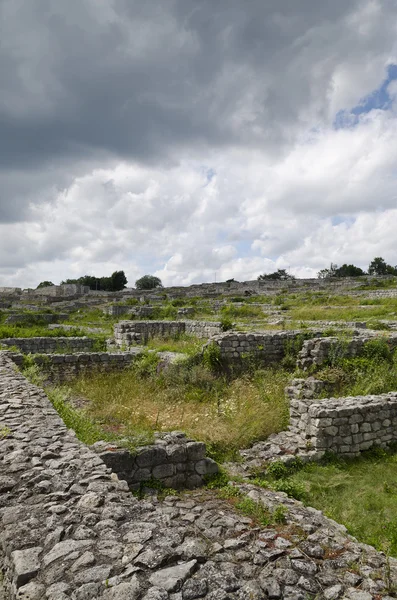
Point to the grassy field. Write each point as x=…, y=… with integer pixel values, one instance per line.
x=361, y=494
x=226, y=414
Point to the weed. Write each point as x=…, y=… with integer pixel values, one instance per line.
x=226, y=324
x=280, y=514
x=4, y=431
x=255, y=510
x=212, y=357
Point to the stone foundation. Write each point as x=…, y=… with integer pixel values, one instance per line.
x=269, y=347
x=316, y=352
x=71, y=530
x=175, y=461
x=346, y=426
x=59, y=368
x=127, y=333
x=47, y=345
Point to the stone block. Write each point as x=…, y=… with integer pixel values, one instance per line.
x=207, y=466
x=151, y=456
x=26, y=564
x=164, y=470
x=176, y=453
x=195, y=451
x=142, y=474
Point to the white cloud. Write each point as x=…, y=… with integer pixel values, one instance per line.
x=204, y=150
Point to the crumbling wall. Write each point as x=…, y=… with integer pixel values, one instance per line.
x=346, y=426
x=174, y=460
x=269, y=347
x=46, y=345
x=127, y=333
x=315, y=352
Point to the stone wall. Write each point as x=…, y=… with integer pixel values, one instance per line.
x=346, y=426
x=174, y=460
x=316, y=352
x=59, y=368
x=269, y=347
x=46, y=345
x=127, y=333
x=65, y=290
x=44, y=318
x=71, y=530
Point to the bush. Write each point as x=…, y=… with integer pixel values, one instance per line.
x=226, y=324
x=212, y=357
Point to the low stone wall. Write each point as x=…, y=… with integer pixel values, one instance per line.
x=47, y=345
x=127, y=333
x=44, y=318
x=59, y=368
x=316, y=352
x=308, y=388
x=269, y=347
x=346, y=426
x=203, y=329
x=174, y=460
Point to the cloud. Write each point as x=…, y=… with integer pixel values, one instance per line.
x=190, y=139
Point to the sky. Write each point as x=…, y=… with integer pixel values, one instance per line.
x=196, y=140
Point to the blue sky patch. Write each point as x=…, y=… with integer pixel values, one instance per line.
x=378, y=99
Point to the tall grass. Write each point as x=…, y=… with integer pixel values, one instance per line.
x=227, y=415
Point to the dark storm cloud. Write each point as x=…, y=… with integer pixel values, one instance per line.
x=135, y=79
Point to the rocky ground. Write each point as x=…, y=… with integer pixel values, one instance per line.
x=72, y=530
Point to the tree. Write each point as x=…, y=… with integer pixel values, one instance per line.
x=327, y=273
x=118, y=280
x=148, y=282
x=343, y=271
x=378, y=266
x=280, y=274
x=44, y=284
x=349, y=271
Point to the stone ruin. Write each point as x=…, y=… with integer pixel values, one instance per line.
x=71, y=530
x=129, y=333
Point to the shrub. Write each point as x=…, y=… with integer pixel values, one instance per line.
x=226, y=324
x=212, y=357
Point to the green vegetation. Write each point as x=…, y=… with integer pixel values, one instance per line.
x=188, y=344
x=377, y=266
x=26, y=331
x=226, y=413
x=116, y=282
x=361, y=493
x=148, y=282
x=232, y=311
x=373, y=372
x=279, y=275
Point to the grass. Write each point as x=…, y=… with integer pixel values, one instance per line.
x=373, y=372
x=361, y=494
x=188, y=344
x=22, y=331
x=226, y=414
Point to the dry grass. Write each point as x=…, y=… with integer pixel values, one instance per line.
x=227, y=416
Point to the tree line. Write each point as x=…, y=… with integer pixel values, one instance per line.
x=116, y=282
x=378, y=266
